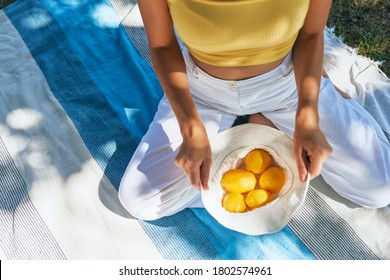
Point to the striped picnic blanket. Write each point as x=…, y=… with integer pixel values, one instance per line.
x=77, y=93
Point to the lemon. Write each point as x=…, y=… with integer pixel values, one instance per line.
x=238, y=181
x=257, y=161
x=272, y=179
x=234, y=202
x=257, y=198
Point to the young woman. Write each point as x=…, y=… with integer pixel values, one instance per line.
x=260, y=58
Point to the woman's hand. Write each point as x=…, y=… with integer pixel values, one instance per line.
x=308, y=54
x=310, y=144
x=194, y=156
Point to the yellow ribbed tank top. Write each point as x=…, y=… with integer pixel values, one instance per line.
x=238, y=32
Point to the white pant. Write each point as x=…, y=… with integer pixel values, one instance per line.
x=358, y=169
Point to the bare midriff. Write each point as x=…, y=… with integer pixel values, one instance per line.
x=236, y=73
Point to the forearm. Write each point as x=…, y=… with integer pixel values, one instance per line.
x=308, y=63
x=171, y=71
x=194, y=154
x=310, y=143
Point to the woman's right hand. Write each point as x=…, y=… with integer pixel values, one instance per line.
x=194, y=156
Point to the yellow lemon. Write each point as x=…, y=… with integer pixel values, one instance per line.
x=234, y=202
x=238, y=181
x=272, y=179
x=257, y=198
x=257, y=161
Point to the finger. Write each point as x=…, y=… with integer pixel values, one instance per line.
x=306, y=161
x=194, y=176
x=205, y=174
x=301, y=164
x=317, y=160
x=178, y=162
x=315, y=167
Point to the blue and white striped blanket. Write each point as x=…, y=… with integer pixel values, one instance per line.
x=77, y=92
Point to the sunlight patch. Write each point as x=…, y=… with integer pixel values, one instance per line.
x=40, y=19
x=105, y=16
x=24, y=118
x=74, y=3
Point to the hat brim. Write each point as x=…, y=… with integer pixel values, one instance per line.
x=231, y=146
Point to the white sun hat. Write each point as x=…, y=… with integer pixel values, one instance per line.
x=229, y=148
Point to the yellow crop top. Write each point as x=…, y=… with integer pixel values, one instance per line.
x=238, y=32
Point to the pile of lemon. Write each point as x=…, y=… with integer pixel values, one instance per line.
x=252, y=184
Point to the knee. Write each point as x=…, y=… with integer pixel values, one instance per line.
x=151, y=202
x=137, y=197
x=136, y=205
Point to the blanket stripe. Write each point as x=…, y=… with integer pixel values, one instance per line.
x=163, y=229
x=131, y=19
x=18, y=215
x=233, y=245
x=387, y=135
x=316, y=220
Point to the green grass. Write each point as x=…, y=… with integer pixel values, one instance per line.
x=4, y=3
x=363, y=24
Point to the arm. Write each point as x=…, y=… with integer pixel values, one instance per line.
x=308, y=63
x=194, y=155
